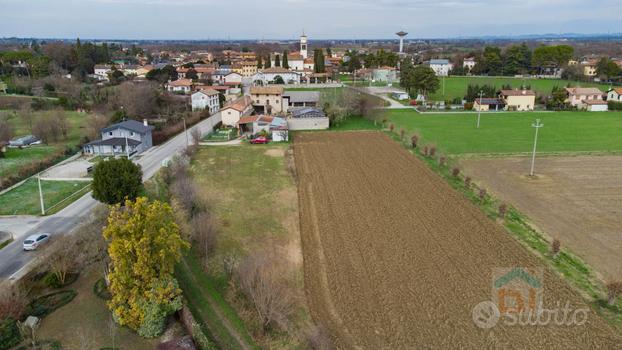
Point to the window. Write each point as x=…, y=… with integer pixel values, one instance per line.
x=132, y=133
x=110, y=133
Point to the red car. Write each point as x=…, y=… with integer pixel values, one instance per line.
x=259, y=140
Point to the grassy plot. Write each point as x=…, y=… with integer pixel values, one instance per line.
x=24, y=199
x=512, y=132
x=456, y=87
x=16, y=158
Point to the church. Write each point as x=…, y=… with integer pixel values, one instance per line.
x=298, y=61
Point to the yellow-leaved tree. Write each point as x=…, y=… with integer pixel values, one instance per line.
x=144, y=244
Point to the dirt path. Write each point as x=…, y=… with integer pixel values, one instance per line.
x=394, y=258
x=233, y=332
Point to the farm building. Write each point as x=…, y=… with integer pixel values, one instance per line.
x=300, y=99
x=488, y=104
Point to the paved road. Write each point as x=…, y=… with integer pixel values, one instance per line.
x=14, y=261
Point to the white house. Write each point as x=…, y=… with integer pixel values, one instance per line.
x=268, y=75
x=441, y=67
x=101, y=71
x=468, y=63
x=125, y=138
x=233, y=78
x=615, y=95
x=179, y=86
x=206, y=100
x=596, y=106
x=578, y=96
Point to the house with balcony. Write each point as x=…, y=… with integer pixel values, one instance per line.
x=128, y=137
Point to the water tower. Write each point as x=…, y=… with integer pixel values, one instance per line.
x=401, y=34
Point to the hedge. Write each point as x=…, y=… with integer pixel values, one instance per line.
x=9, y=334
x=46, y=304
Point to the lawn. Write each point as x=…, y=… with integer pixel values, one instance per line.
x=16, y=158
x=220, y=135
x=456, y=87
x=512, y=132
x=24, y=200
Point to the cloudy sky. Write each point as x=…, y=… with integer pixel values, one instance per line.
x=285, y=19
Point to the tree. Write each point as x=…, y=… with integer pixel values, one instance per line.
x=116, y=180
x=6, y=129
x=144, y=246
x=279, y=80
x=63, y=257
x=517, y=60
x=420, y=79
x=268, y=62
x=137, y=100
x=277, y=60
x=607, y=69
x=318, y=60
x=192, y=74
x=285, y=59
x=259, y=63
x=613, y=290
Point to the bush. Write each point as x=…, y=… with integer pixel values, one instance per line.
x=9, y=334
x=51, y=280
x=101, y=290
x=615, y=106
x=46, y=304
x=116, y=180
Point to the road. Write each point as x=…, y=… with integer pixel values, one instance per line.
x=14, y=262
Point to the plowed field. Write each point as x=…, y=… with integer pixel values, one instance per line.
x=396, y=259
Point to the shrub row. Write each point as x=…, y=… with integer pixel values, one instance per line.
x=44, y=305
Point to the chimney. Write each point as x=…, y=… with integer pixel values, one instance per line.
x=145, y=122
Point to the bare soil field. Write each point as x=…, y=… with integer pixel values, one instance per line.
x=574, y=199
x=394, y=258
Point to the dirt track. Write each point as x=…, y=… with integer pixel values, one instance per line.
x=396, y=259
x=575, y=199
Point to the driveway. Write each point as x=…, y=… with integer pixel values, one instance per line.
x=71, y=170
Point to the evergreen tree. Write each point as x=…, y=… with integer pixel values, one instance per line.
x=277, y=60
x=318, y=60
x=259, y=63
x=268, y=62
x=116, y=180
x=285, y=59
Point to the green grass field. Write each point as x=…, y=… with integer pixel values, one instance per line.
x=456, y=87
x=24, y=200
x=512, y=132
x=16, y=158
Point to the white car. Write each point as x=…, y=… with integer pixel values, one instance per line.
x=34, y=241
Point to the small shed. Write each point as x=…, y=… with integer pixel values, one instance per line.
x=596, y=105
x=400, y=95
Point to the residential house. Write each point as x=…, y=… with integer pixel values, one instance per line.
x=269, y=75
x=578, y=96
x=142, y=71
x=518, y=100
x=233, y=79
x=232, y=112
x=275, y=127
x=179, y=86
x=207, y=99
x=589, y=67
x=102, y=70
x=300, y=99
x=488, y=104
x=615, y=95
x=468, y=63
x=309, y=64
x=307, y=118
x=267, y=99
x=441, y=67
x=131, y=69
x=218, y=76
x=246, y=68
x=125, y=138
x=384, y=74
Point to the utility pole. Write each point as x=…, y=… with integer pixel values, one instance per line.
x=479, y=109
x=537, y=125
x=186, y=132
x=41, y=194
x=127, y=149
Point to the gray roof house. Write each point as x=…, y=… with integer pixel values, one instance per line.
x=23, y=141
x=125, y=138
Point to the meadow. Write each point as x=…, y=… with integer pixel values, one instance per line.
x=563, y=132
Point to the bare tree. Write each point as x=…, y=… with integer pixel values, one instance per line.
x=6, y=129
x=27, y=116
x=204, y=233
x=60, y=121
x=555, y=247
x=195, y=133
x=467, y=182
x=186, y=192
x=95, y=123
x=503, y=209
x=482, y=194
x=614, y=289
x=262, y=279
x=138, y=100
x=319, y=339
x=13, y=301
x=414, y=140
x=63, y=257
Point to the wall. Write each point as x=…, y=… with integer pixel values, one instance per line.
x=307, y=123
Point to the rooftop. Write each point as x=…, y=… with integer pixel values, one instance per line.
x=132, y=125
x=302, y=96
x=517, y=93
x=266, y=90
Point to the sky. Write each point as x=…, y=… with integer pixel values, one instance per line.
x=320, y=19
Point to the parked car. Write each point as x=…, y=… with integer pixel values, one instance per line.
x=32, y=242
x=259, y=140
